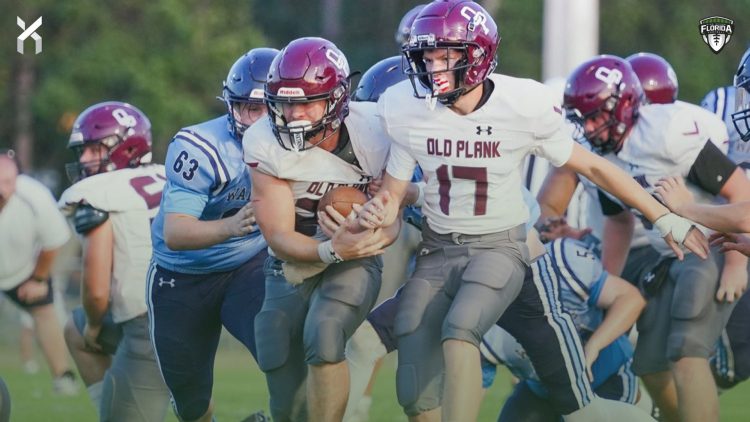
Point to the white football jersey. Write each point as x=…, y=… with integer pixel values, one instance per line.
x=473, y=163
x=665, y=141
x=131, y=197
x=313, y=172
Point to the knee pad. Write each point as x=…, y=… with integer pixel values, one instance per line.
x=474, y=311
x=417, y=293
x=325, y=344
x=272, y=332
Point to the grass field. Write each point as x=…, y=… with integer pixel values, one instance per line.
x=240, y=390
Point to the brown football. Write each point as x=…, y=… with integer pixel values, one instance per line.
x=341, y=199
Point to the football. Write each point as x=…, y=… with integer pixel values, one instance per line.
x=341, y=199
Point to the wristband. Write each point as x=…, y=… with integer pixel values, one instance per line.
x=327, y=254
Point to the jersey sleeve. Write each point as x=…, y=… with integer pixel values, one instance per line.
x=553, y=138
x=256, y=148
x=194, y=172
x=710, y=100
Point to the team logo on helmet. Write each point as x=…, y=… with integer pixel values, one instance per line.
x=608, y=76
x=716, y=32
x=338, y=60
x=475, y=19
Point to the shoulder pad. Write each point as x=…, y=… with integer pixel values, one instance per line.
x=87, y=218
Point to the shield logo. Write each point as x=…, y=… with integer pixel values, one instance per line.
x=716, y=32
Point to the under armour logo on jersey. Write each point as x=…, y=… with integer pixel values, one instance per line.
x=169, y=282
x=608, y=76
x=475, y=19
x=488, y=129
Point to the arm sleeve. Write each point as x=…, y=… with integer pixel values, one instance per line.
x=711, y=169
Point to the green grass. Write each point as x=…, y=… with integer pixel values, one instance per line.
x=240, y=390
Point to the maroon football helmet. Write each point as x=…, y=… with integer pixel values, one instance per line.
x=658, y=80
x=121, y=128
x=307, y=70
x=453, y=24
x=404, y=27
x=603, y=84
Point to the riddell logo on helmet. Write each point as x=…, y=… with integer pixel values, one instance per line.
x=291, y=92
x=256, y=93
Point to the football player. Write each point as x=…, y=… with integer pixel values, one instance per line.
x=313, y=141
x=470, y=139
x=115, y=194
x=682, y=320
x=730, y=364
x=603, y=307
x=208, y=253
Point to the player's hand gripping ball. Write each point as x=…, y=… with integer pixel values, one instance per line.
x=341, y=199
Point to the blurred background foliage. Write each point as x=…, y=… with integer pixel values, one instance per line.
x=169, y=57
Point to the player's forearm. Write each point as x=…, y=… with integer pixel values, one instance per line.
x=618, y=319
x=185, y=232
x=730, y=218
x=293, y=246
x=618, y=183
x=556, y=192
x=44, y=262
x=95, y=304
x=98, y=252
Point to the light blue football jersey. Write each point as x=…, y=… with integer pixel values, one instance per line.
x=208, y=179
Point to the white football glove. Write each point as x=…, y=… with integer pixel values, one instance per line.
x=674, y=224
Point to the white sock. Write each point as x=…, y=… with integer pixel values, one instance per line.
x=95, y=394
